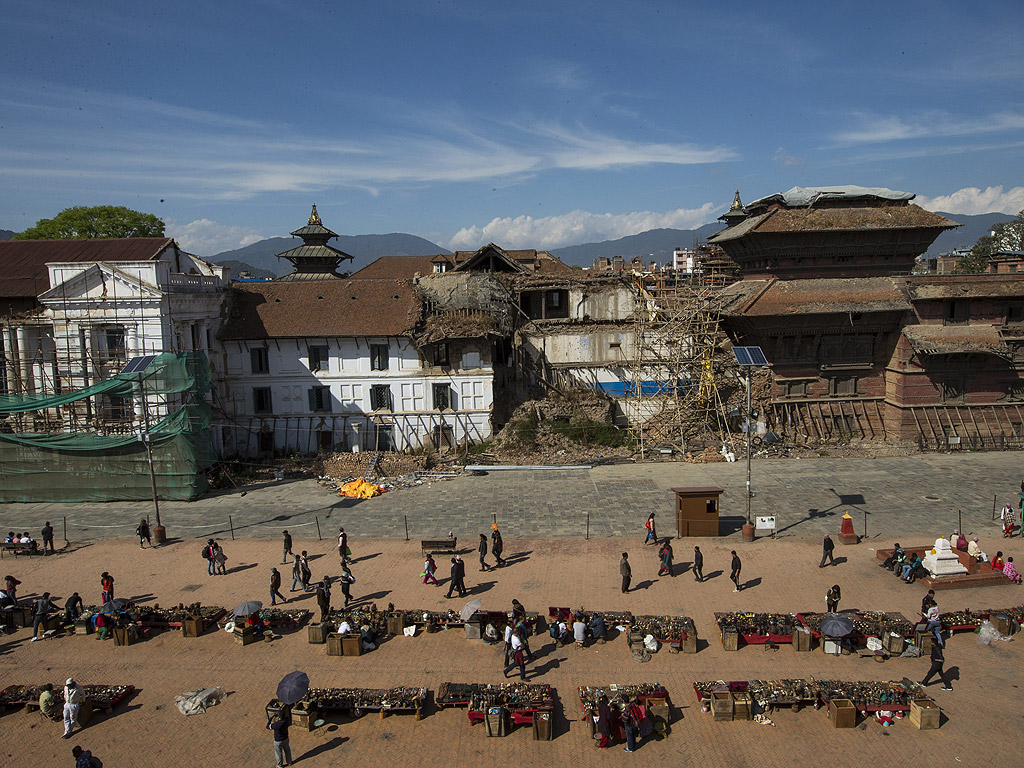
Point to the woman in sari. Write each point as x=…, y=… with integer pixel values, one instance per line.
x=666, y=559
x=1010, y=571
x=1009, y=519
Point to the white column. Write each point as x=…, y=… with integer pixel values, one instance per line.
x=25, y=359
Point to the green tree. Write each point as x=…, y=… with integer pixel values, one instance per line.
x=95, y=221
x=971, y=265
x=1005, y=236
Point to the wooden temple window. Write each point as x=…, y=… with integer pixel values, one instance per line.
x=1014, y=314
x=842, y=386
x=953, y=391
x=957, y=312
x=795, y=388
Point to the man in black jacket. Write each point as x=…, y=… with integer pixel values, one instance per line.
x=698, y=564
x=936, y=668
x=626, y=572
x=826, y=551
x=287, y=545
x=735, y=571
x=482, y=549
x=461, y=564
x=42, y=608
x=453, y=581
x=47, y=532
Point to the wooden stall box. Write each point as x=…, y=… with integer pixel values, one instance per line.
x=893, y=643
x=743, y=706
x=802, y=639
x=843, y=713
x=925, y=714
x=334, y=645
x=496, y=721
x=924, y=640
x=396, y=624
x=543, y=727
x=352, y=645
x=124, y=636
x=193, y=626
x=688, y=644
x=721, y=705
x=245, y=635
x=317, y=633
x=84, y=627
x=730, y=639
x=697, y=511
x=302, y=717
x=1003, y=624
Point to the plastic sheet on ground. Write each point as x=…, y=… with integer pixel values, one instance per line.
x=360, y=489
x=196, y=702
x=987, y=633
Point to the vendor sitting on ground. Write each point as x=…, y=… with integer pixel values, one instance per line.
x=490, y=634
x=564, y=635
x=890, y=561
x=253, y=620
x=72, y=608
x=974, y=550
x=369, y=637
x=104, y=624
x=344, y=628
x=579, y=631
x=597, y=628
x=48, y=703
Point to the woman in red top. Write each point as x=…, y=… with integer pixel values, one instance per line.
x=107, y=585
x=997, y=561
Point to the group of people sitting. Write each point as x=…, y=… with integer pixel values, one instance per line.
x=578, y=628
x=23, y=538
x=907, y=567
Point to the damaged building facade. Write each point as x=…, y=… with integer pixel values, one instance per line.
x=858, y=346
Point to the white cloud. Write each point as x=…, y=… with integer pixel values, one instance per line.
x=208, y=238
x=971, y=201
x=876, y=129
x=782, y=157
x=576, y=227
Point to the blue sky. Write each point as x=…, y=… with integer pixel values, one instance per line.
x=532, y=124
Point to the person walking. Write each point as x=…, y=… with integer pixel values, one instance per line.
x=210, y=553
x=343, y=551
x=323, y=598
x=652, y=535
x=482, y=549
x=347, y=580
x=282, y=749
x=296, y=574
x=84, y=758
x=518, y=658
x=603, y=722
x=698, y=564
x=305, y=571
x=429, y=567
x=509, y=631
x=142, y=531
x=1009, y=518
x=625, y=572
x=832, y=598
x=497, y=545
x=74, y=695
x=286, y=543
x=930, y=613
x=462, y=575
x=936, y=668
x=666, y=559
x=47, y=533
x=275, y=587
x=220, y=559
x=827, y=546
x=43, y=606
x=734, y=573
x=106, y=587
x=453, y=581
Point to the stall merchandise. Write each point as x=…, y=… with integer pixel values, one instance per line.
x=104, y=697
x=430, y=619
x=866, y=695
x=865, y=623
x=677, y=630
x=175, y=616
x=759, y=628
x=358, y=701
x=619, y=694
x=358, y=617
x=286, y=618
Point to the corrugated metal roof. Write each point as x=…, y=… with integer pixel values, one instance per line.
x=23, y=263
x=803, y=196
x=321, y=308
x=926, y=287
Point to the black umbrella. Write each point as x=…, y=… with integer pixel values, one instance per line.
x=117, y=604
x=248, y=608
x=834, y=625
x=292, y=687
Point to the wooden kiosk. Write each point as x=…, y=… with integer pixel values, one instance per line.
x=697, y=511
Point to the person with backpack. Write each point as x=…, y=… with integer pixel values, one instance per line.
x=220, y=559
x=429, y=566
x=652, y=535
x=85, y=758
x=632, y=715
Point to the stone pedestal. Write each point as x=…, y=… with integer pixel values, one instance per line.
x=942, y=561
x=846, y=534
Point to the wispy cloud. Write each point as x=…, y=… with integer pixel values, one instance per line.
x=207, y=238
x=971, y=201
x=782, y=157
x=877, y=129
x=197, y=153
x=576, y=227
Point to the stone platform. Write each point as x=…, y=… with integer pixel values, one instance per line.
x=978, y=574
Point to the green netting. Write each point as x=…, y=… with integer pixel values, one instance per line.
x=83, y=466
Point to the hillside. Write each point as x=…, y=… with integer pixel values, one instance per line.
x=6, y=234
x=656, y=244
x=967, y=235
x=363, y=248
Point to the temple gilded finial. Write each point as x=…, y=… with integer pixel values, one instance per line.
x=314, y=217
x=736, y=204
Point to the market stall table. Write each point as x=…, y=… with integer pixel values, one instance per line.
x=359, y=701
x=652, y=696
x=757, y=628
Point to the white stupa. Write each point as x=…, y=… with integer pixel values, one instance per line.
x=942, y=561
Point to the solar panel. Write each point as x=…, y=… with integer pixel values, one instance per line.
x=138, y=364
x=749, y=356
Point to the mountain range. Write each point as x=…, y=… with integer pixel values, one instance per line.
x=656, y=244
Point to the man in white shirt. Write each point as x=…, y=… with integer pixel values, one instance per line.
x=74, y=695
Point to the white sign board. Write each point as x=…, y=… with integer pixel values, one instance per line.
x=765, y=524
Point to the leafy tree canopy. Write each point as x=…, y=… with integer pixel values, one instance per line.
x=1006, y=236
x=95, y=221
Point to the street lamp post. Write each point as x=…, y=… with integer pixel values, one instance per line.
x=159, y=532
x=749, y=358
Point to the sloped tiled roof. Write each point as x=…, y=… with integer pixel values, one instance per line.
x=954, y=339
x=535, y=262
x=323, y=308
x=23, y=262
x=814, y=296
